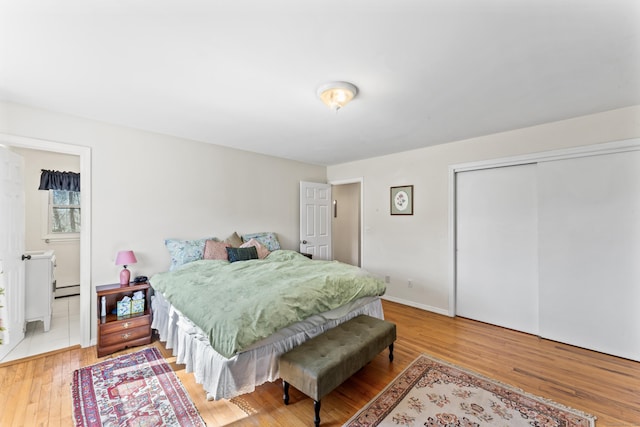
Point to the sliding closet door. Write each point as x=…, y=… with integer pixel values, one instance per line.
x=589, y=222
x=496, y=244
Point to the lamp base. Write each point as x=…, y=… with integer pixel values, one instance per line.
x=125, y=275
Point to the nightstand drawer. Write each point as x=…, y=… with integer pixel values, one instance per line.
x=124, y=335
x=124, y=325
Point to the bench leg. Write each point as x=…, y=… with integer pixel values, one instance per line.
x=285, y=397
x=391, y=352
x=316, y=408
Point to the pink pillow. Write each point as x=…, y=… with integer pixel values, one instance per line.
x=216, y=250
x=262, y=251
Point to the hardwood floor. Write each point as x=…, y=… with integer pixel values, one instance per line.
x=36, y=391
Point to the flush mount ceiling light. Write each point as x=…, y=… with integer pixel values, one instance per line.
x=337, y=94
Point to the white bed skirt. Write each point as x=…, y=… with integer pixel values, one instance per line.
x=224, y=378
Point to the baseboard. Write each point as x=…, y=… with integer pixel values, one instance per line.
x=67, y=286
x=416, y=305
x=67, y=291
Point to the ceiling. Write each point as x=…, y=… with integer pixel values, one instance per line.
x=244, y=73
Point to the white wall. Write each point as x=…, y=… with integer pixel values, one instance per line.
x=147, y=187
x=67, y=252
x=416, y=247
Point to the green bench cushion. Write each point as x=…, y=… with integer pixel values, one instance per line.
x=319, y=365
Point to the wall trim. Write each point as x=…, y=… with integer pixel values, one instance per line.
x=413, y=304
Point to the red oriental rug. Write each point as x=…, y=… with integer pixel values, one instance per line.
x=434, y=393
x=136, y=389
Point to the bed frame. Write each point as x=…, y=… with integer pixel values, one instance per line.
x=225, y=378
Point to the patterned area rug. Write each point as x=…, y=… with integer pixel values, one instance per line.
x=137, y=389
x=431, y=393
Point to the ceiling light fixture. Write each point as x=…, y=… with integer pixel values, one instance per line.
x=337, y=94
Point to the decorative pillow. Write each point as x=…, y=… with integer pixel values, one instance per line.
x=242, y=254
x=216, y=250
x=262, y=251
x=234, y=240
x=267, y=239
x=184, y=251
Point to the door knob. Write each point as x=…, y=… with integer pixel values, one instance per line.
x=26, y=257
x=304, y=242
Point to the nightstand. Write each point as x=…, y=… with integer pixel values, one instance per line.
x=116, y=333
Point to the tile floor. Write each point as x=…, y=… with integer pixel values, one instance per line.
x=64, y=331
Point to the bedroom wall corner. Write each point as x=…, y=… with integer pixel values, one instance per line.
x=185, y=190
x=414, y=250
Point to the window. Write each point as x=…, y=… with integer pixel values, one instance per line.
x=63, y=215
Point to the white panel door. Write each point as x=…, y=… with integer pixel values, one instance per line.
x=12, y=235
x=496, y=246
x=315, y=219
x=590, y=252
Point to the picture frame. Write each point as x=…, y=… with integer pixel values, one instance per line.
x=402, y=200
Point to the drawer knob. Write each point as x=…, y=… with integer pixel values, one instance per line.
x=126, y=325
x=126, y=336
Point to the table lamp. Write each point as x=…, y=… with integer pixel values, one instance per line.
x=125, y=258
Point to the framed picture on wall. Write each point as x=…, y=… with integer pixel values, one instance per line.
x=402, y=200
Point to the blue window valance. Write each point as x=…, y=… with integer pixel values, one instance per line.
x=56, y=180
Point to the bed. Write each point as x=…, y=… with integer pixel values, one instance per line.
x=228, y=322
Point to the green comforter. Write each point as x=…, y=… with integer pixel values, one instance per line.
x=237, y=304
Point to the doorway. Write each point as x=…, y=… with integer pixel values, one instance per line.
x=346, y=221
x=63, y=328
x=82, y=314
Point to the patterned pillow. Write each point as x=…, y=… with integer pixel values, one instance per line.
x=262, y=251
x=184, y=251
x=267, y=239
x=242, y=254
x=216, y=250
x=234, y=240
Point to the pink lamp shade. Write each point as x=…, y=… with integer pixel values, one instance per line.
x=125, y=258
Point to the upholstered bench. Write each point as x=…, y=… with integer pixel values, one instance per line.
x=319, y=365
